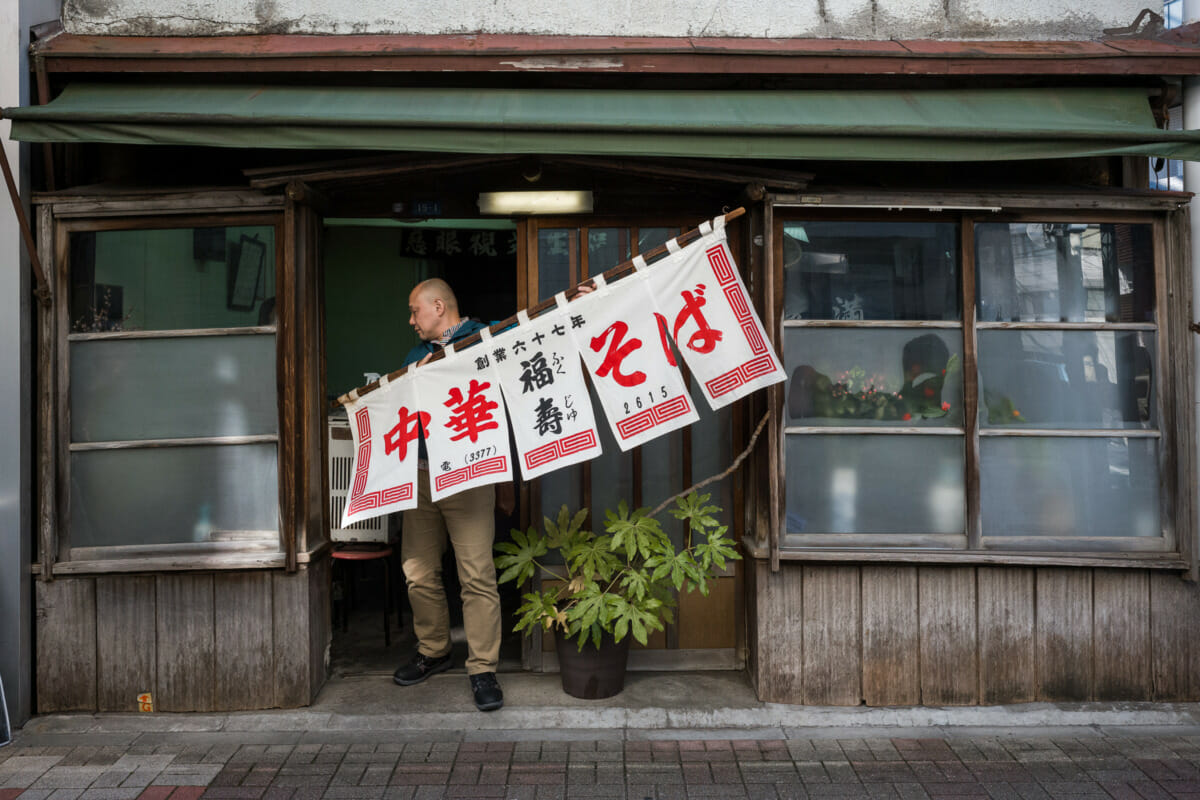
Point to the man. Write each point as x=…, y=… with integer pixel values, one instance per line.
x=467, y=518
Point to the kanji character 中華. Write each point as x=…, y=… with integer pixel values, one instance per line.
x=471, y=415
x=406, y=430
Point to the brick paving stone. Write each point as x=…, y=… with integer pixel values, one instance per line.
x=68, y=777
x=881, y=771
x=939, y=790
x=9, y=794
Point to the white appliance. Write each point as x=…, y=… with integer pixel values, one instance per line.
x=341, y=462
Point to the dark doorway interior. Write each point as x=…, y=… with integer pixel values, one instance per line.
x=370, y=267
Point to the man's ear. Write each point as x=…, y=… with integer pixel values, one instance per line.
x=439, y=307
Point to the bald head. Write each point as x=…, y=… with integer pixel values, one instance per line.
x=433, y=308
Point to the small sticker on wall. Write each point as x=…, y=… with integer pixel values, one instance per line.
x=145, y=702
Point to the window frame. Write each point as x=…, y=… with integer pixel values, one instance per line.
x=1174, y=548
x=59, y=219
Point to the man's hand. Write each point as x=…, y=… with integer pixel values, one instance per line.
x=425, y=360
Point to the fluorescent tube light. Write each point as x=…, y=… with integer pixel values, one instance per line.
x=565, y=201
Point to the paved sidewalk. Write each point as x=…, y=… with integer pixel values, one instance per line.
x=668, y=735
x=1069, y=762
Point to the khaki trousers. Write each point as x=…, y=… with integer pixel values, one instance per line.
x=467, y=518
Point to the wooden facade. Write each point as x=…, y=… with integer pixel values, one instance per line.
x=195, y=641
x=842, y=621
x=888, y=635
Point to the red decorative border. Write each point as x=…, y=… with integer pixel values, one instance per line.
x=384, y=497
x=654, y=415
x=740, y=375
x=718, y=259
x=560, y=448
x=471, y=472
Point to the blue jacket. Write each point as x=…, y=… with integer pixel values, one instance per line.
x=424, y=348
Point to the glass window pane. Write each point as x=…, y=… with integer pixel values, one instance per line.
x=712, y=453
x=132, y=389
x=662, y=477
x=174, y=495
x=1067, y=379
x=650, y=238
x=1045, y=486
x=607, y=247
x=612, y=472
x=873, y=377
x=558, y=260
x=1065, y=272
x=172, y=279
x=871, y=270
x=875, y=484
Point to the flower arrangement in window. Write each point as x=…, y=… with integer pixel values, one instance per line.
x=926, y=363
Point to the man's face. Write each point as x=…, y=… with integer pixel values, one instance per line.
x=425, y=315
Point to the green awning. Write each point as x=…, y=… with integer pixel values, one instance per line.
x=979, y=125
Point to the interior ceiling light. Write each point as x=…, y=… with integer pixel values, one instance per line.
x=564, y=201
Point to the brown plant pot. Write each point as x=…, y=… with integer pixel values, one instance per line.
x=592, y=673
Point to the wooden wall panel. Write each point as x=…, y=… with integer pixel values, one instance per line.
x=293, y=656
x=126, y=635
x=1174, y=627
x=949, y=665
x=890, y=635
x=831, y=649
x=779, y=632
x=706, y=622
x=1121, y=634
x=1007, y=653
x=185, y=642
x=1064, y=633
x=243, y=640
x=66, y=645
x=320, y=624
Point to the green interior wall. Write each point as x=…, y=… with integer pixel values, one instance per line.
x=367, y=283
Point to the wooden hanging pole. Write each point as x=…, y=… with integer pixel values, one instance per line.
x=622, y=269
x=42, y=290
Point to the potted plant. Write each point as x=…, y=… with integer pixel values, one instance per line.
x=611, y=586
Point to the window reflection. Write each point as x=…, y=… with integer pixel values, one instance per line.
x=1067, y=379
x=870, y=271
x=1035, y=486
x=1065, y=272
x=875, y=484
x=873, y=377
x=155, y=280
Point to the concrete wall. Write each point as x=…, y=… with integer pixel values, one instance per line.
x=16, y=516
x=856, y=19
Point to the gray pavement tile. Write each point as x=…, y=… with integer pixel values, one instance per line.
x=110, y=779
x=68, y=777
x=389, y=793
x=354, y=792
x=109, y=794
x=66, y=794
x=37, y=794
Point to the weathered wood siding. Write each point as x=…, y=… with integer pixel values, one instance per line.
x=213, y=641
x=917, y=635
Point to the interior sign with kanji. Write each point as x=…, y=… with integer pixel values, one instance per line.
x=629, y=335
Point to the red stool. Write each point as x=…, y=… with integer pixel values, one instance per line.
x=352, y=553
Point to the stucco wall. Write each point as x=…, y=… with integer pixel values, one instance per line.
x=862, y=19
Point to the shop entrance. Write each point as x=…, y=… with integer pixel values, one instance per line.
x=370, y=267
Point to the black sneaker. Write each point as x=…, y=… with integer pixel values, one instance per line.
x=420, y=668
x=486, y=689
